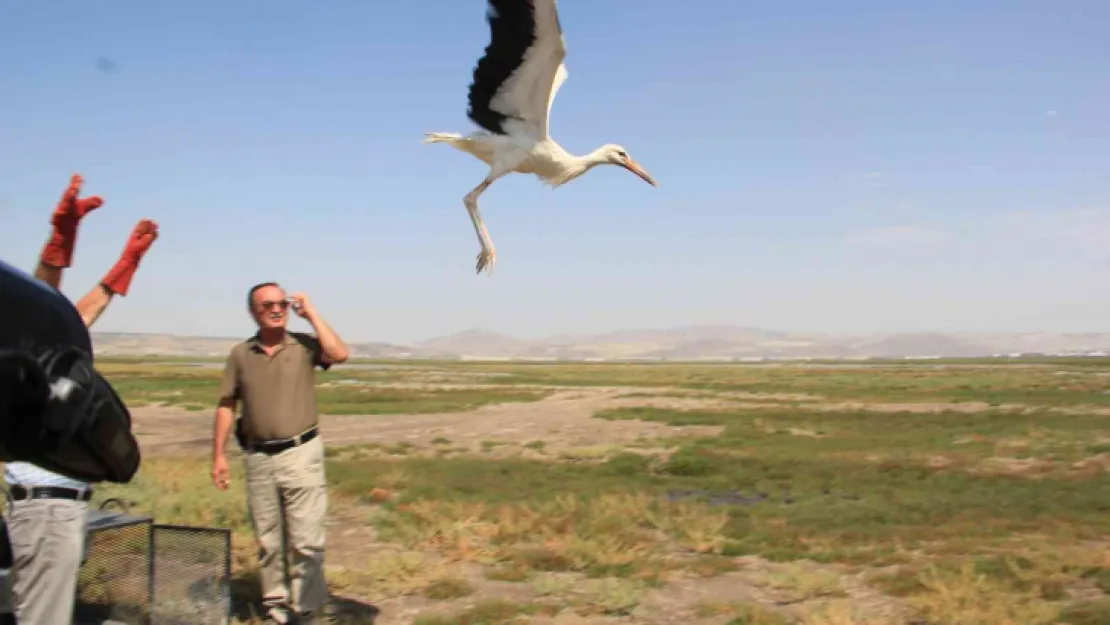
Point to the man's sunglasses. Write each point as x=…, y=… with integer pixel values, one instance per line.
x=282, y=304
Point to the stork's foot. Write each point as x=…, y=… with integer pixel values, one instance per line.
x=486, y=260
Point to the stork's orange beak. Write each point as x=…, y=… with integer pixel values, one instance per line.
x=635, y=168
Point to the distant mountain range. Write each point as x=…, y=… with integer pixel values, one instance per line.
x=688, y=343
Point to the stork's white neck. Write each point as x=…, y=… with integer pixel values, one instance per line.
x=574, y=166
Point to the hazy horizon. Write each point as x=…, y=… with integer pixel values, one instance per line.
x=299, y=325
x=852, y=167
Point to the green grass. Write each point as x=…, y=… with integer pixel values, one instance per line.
x=489, y=612
x=962, y=437
x=173, y=491
x=196, y=388
x=883, y=490
x=856, y=488
x=1036, y=382
x=1086, y=613
x=1047, y=382
x=990, y=516
x=873, y=511
x=448, y=588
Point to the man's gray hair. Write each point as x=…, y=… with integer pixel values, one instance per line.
x=251, y=292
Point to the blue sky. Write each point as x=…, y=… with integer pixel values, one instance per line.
x=850, y=165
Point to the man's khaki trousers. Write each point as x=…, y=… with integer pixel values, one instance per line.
x=287, y=497
x=48, y=542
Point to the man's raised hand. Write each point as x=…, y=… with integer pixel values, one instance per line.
x=302, y=306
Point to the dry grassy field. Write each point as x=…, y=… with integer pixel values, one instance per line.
x=482, y=493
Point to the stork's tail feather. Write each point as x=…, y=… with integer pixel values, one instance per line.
x=441, y=137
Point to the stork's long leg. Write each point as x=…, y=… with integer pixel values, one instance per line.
x=488, y=256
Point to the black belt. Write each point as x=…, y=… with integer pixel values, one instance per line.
x=19, y=493
x=278, y=446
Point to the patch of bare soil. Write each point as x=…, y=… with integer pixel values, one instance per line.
x=563, y=422
x=1033, y=468
x=629, y=391
x=964, y=407
x=919, y=407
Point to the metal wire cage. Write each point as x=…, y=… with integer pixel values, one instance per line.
x=115, y=581
x=191, y=577
x=136, y=572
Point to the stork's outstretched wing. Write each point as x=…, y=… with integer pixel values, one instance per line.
x=560, y=78
x=522, y=68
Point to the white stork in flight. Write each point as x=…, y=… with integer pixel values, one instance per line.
x=510, y=98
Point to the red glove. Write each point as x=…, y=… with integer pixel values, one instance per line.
x=118, y=279
x=58, y=251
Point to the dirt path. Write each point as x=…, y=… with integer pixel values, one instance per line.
x=563, y=421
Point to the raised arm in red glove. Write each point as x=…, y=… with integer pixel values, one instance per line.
x=118, y=279
x=58, y=251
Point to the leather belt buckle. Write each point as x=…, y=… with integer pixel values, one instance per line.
x=275, y=447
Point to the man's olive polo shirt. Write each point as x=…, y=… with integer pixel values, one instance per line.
x=277, y=392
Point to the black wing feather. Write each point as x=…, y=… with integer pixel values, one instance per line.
x=512, y=32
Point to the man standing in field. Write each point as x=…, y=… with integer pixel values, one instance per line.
x=46, y=523
x=273, y=375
